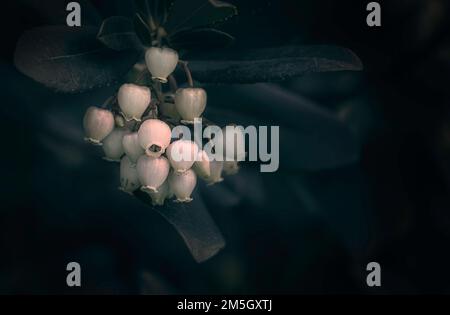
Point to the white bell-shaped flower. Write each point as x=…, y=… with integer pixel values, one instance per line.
x=154, y=137
x=112, y=145
x=190, y=103
x=132, y=147
x=182, y=185
x=129, y=179
x=133, y=100
x=152, y=172
x=232, y=143
x=216, y=168
x=161, y=62
x=98, y=123
x=182, y=155
x=161, y=195
x=230, y=167
x=202, y=165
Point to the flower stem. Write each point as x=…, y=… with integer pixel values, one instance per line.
x=173, y=83
x=189, y=79
x=110, y=100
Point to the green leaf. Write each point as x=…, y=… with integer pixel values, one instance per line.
x=70, y=59
x=197, y=39
x=270, y=64
x=194, y=224
x=117, y=32
x=198, y=13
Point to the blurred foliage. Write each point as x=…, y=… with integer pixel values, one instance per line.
x=294, y=231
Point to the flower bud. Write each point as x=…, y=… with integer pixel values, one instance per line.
x=182, y=155
x=97, y=123
x=154, y=137
x=163, y=193
x=190, y=103
x=202, y=165
x=230, y=167
x=161, y=62
x=112, y=145
x=216, y=168
x=152, y=172
x=132, y=147
x=133, y=100
x=183, y=184
x=129, y=179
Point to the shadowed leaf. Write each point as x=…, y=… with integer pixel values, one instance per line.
x=118, y=33
x=198, y=13
x=194, y=224
x=311, y=138
x=70, y=59
x=203, y=38
x=271, y=64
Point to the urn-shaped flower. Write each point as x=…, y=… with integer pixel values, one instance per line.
x=152, y=172
x=132, y=147
x=133, y=101
x=190, y=103
x=129, y=179
x=98, y=123
x=161, y=62
x=154, y=137
x=182, y=185
x=182, y=155
x=112, y=145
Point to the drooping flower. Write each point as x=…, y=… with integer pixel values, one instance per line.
x=202, y=165
x=98, y=123
x=216, y=168
x=154, y=137
x=153, y=171
x=182, y=155
x=161, y=62
x=129, y=179
x=133, y=100
x=183, y=184
x=190, y=103
x=112, y=145
x=132, y=147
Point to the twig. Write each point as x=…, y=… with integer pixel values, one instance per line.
x=158, y=90
x=109, y=100
x=173, y=83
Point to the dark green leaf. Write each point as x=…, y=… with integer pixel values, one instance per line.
x=117, y=32
x=70, y=59
x=196, y=39
x=271, y=64
x=194, y=224
x=198, y=13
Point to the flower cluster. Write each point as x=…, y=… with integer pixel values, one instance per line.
x=138, y=134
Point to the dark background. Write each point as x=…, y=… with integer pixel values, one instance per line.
x=309, y=231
